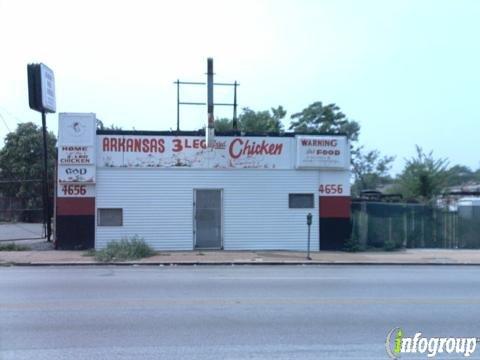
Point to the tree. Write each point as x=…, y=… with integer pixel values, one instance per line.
x=317, y=118
x=460, y=175
x=370, y=169
x=21, y=158
x=250, y=121
x=423, y=177
x=223, y=125
x=262, y=121
x=101, y=126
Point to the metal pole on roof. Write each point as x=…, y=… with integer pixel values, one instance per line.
x=235, y=125
x=178, y=104
x=210, y=130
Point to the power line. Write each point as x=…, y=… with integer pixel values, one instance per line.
x=11, y=114
x=5, y=122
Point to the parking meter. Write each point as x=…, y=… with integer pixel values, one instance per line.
x=309, y=223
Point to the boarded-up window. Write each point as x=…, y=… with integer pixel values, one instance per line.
x=110, y=217
x=300, y=201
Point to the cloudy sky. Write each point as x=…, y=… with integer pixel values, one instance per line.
x=408, y=71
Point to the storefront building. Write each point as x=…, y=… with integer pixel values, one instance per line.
x=245, y=193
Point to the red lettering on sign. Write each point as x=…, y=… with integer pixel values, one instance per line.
x=137, y=145
x=177, y=145
x=238, y=147
x=106, y=144
x=74, y=190
x=181, y=144
x=121, y=144
x=113, y=144
x=145, y=145
x=129, y=145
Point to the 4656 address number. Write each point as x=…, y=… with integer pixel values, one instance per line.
x=331, y=189
x=74, y=189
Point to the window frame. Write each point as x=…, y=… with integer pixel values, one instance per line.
x=311, y=195
x=99, y=217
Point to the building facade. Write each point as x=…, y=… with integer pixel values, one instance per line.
x=245, y=193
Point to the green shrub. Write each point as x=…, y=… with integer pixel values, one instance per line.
x=352, y=245
x=13, y=247
x=390, y=245
x=132, y=248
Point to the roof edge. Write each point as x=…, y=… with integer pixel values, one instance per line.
x=220, y=133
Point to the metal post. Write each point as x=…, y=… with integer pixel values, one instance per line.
x=308, y=253
x=390, y=229
x=210, y=130
x=46, y=203
x=309, y=223
x=178, y=104
x=235, y=125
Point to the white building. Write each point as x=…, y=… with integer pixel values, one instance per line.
x=248, y=192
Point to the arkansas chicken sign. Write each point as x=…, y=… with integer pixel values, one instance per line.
x=151, y=151
x=170, y=151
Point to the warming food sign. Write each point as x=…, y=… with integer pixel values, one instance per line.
x=325, y=152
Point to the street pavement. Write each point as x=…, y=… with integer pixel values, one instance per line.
x=230, y=312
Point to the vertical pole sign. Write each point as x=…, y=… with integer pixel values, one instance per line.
x=210, y=130
x=41, y=97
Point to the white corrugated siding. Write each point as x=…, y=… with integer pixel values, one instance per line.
x=158, y=205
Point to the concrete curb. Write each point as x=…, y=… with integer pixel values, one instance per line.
x=227, y=263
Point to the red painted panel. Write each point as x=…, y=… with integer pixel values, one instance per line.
x=75, y=206
x=335, y=206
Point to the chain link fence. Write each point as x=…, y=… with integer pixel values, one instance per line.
x=21, y=210
x=397, y=225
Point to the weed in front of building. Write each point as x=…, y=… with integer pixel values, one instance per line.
x=13, y=247
x=132, y=248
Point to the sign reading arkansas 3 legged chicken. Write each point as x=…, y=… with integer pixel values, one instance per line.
x=170, y=151
x=154, y=151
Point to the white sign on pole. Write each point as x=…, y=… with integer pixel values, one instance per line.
x=76, y=129
x=76, y=174
x=47, y=80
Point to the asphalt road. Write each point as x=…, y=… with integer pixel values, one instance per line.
x=236, y=312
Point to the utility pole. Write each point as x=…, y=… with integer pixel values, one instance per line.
x=210, y=129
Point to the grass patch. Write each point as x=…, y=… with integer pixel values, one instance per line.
x=126, y=249
x=13, y=247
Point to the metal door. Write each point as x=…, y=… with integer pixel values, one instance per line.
x=208, y=219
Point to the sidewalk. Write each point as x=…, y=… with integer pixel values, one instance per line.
x=410, y=256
